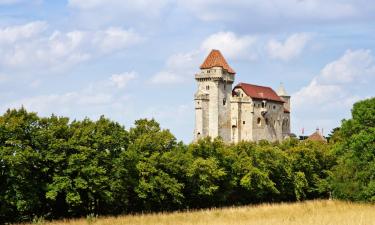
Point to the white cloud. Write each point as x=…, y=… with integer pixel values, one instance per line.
x=29, y=46
x=164, y=77
x=292, y=11
x=143, y=6
x=129, y=12
x=331, y=94
x=12, y=34
x=180, y=67
x=122, y=79
x=291, y=48
x=353, y=66
x=231, y=45
x=95, y=99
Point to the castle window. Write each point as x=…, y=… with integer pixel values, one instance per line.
x=259, y=121
x=207, y=87
x=208, y=71
x=266, y=121
x=224, y=101
x=263, y=104
x=243, y=122
x=274, y=107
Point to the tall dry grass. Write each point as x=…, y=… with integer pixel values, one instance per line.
x=323, y=212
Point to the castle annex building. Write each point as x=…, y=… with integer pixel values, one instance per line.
x=246, y=112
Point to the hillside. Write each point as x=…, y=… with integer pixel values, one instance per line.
x=306, y=213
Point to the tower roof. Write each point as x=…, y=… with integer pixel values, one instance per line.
x=317, y=136
x=215, y=58
x=281, y=91
x=259, y=92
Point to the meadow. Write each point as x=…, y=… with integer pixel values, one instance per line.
x=320, y=212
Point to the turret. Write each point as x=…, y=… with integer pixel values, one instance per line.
x=282, y=93
x=212, y=99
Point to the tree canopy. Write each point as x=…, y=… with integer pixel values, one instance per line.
x=53, y=167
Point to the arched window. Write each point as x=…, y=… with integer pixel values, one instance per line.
x=259, y=121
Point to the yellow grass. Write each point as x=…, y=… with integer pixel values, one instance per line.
x=304, y=213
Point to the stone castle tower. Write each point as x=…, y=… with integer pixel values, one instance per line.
x=246, y=112
x=212, y=99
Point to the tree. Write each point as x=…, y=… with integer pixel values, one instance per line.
x=354, y=176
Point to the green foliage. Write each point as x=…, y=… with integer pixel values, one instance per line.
x=51, y=167
x=354, y=176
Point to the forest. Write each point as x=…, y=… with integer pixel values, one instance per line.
x=54, y=167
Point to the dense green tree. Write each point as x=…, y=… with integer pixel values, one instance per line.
x=354, y=176
x=57, y=168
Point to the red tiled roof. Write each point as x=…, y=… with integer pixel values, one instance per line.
x=317, y=136
x=215, y=58
x=259, y=92
x=286, y=110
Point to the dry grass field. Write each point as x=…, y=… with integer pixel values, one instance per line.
x=323, y=212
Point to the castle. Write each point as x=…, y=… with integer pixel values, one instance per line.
x=245, y=113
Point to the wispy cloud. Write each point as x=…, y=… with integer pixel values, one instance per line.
x=94, y=99
x=30, y=46
x=291, y=48
x=332, y=92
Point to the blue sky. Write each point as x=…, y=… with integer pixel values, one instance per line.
x=136, y=59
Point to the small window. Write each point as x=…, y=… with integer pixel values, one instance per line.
x=274, y=107
x=207, y=87
x=198, y=103
x=208, y=71
x=225, y=86
x=259, y=121
x=243, y=122
x=224, y=101
x=266, y=121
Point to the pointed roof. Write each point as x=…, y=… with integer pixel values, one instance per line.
x=259, y=92
x=215, y=58
x=317, y=136
x=281, y=91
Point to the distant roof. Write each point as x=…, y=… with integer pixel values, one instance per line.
x=317, y=136
x=215, y=58
x=259, y=92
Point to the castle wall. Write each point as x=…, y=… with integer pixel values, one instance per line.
x=267, y=120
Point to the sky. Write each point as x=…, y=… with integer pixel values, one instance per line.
x=132, y=59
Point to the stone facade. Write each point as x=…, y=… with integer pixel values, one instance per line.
x=245, y=112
